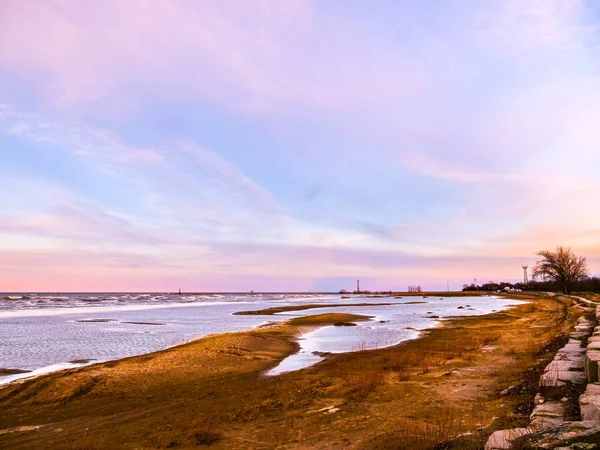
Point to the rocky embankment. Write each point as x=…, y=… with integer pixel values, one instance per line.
x=567, y=406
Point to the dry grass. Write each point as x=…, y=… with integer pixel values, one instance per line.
x=459, y=427
x=403, y=375
x=364, y=382
x=206, y=431
x=85, y=442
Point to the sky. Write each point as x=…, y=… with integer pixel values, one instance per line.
x=294, y=145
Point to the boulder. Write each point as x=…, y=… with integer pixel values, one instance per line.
x=555, y=383
x=592, y=358
x=503, y=439
x=593, y=346
x=539, y=399
x=579, y=446
x=578, y=335
x=563, y=365
x=566, y=435
x=547, y=415
x=577, y=359
x=573, y=346
x=589, y=402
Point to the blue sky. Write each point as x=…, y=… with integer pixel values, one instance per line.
x=294, y=145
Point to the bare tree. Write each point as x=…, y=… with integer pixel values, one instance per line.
x=561, y=266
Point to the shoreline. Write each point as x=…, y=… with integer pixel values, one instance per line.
x=304, y=325
x=93, y=314
x=30, y=372
x=213, y=386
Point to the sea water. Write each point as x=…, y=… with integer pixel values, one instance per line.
x=46, y=332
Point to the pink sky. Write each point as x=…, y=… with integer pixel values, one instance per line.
x=298, y=145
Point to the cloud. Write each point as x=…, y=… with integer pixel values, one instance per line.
x=254, y=57
x=521, y=27
x=181, y=165
x=426, y=165
x=407, y=140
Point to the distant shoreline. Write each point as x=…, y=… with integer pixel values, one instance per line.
x=377, y=293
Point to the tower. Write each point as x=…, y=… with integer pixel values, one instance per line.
x=358, y=286
x=524, y=274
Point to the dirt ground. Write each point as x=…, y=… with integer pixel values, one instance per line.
x=211, y=392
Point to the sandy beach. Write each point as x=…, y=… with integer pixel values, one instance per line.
x=213, y=391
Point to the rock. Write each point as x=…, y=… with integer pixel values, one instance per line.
x=503, y=439
x=592, y=358
x=563, y=365
x=538, y=399
x=589, y=402
x=566, y=435
x=555, y=384
x=509, y=390
x=344, y=324
x=547, y=415
x=571, y=354
x=578, y=446
x=575, y=359
x=578, y=335
x=593, y=346
x=573, y=346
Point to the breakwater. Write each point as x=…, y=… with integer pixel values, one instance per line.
x=567, y=407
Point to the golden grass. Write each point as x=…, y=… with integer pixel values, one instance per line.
x=364, y=382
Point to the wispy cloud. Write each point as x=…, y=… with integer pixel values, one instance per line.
x=521, y=27
x=257, y=56
x=300, y=140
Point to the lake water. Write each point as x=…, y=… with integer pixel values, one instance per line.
x=46, y=332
